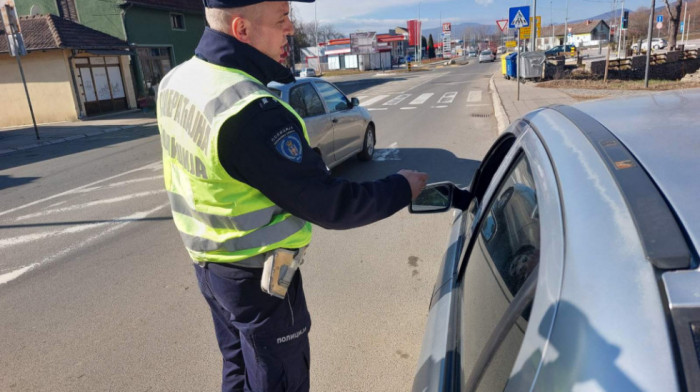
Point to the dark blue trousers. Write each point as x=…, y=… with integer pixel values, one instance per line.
x=264, y=340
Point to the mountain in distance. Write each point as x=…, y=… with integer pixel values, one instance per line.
x=607, y=17
x=459, y=28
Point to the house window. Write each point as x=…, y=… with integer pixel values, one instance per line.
x=177, y=21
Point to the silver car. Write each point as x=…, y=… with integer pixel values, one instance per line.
x=573, y=259
x=486, y=55
x=307, y=72
x=339, y=128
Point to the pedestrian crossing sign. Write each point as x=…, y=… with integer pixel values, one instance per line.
x=519, y=17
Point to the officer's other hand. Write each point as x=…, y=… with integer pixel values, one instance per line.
x=416, y=180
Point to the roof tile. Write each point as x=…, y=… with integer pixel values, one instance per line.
x=52, y=32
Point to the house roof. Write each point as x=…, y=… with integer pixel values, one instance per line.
x=42, y=32
x=585, y=27
x=196, y=6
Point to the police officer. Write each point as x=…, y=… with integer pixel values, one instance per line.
x=245, y=185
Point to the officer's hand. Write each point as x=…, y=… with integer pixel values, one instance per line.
x=416, y=179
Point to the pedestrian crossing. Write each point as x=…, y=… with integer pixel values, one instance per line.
x=405, y=101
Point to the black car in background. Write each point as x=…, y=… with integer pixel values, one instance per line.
x=560, y=50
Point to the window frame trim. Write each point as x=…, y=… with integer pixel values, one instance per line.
x=172, y=25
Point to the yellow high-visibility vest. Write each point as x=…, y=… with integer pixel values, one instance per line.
x=220, y=219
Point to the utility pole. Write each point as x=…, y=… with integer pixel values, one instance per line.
x=533, y=30
x=551, y=19
x=316, y=30
x=11, y=22
x=619, y=29
x=566, y=25
x=651, y=21
x=685, y=26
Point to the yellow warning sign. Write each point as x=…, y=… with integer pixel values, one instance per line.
x=526, y=31
x=510, y=44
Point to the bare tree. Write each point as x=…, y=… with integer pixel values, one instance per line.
x=327, y=32
x=674, y=21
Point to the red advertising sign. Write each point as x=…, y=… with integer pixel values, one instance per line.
x=414, y=32
x=446, y=27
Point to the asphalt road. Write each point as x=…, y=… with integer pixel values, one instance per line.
x=97, y=292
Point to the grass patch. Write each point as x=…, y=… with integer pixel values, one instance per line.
x=618, y=84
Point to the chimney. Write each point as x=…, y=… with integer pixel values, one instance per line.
x=588, y=22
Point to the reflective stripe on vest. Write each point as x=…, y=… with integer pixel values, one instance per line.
x=246, y=222
x=219, y=218
x=259, y=238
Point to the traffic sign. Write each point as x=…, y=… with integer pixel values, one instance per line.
x=682, y=26
x=502, y=24
x=526, y=31
x=659, y=18
x=659, y=25
x=510, y=44
x=519, y=17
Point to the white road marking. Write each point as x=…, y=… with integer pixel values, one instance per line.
x=373, y=100
x=421, y=99
x=438, y=107
x=154, y=165
x=89, y=204
x=388, y=154
x=374, y=109
x=121, y=183
x=448, y=97
x=7, y=277
x=409, y=108
x=474, y=96
x=397, y=99
x=360, y=97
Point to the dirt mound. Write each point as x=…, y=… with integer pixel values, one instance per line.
x=692, y=77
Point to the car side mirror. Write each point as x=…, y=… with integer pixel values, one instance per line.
x=440, y=197
x=354, y=102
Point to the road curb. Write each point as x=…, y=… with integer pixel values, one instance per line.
x=499, y=111
x=73, y=137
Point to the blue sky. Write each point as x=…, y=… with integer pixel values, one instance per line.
x=380, y=15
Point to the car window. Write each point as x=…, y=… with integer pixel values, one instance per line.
x=304, y=99
x=504, y=254
x=335, y=100
x=490, y=164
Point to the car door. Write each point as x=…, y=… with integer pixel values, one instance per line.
x=438, y=364
x=307, y=103
x=348, y=123
x=499, y=277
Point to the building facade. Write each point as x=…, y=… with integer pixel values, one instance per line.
x=161, y=33
x=71, y=71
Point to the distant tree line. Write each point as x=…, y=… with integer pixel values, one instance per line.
x=673, y=13
x=307, y=34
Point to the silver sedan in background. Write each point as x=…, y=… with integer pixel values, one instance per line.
x=339, y=128
x=486, y=55
x=573, y=260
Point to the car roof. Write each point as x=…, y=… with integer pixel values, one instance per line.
x=287, y=86
x=662, y=131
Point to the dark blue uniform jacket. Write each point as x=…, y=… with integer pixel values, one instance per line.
x=305, y=188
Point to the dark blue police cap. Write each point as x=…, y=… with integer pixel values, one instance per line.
x=240, y=3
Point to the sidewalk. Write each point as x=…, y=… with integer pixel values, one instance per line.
x=24, y=138
x=507, y=106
